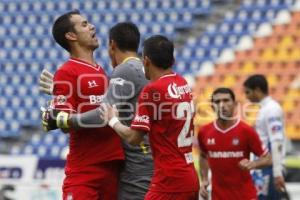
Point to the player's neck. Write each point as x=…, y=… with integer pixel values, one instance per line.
x=157, y=73
x=84, y=55
x=262, y=97
x=122, y=56
x=225, y=124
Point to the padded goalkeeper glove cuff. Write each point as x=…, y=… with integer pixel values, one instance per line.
x=62, y=120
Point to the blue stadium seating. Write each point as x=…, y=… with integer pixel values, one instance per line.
x=244, y=21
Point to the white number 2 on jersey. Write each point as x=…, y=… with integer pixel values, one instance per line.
x=183, y=139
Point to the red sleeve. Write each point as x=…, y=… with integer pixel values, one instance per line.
x=64, y=91
x=144, y=112
x=201, y=140
x=255, y=143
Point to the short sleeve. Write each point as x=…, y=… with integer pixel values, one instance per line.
x=255, y=144
x=275, y=124
x=201, y=141
x=145, y=111
x=64, y=91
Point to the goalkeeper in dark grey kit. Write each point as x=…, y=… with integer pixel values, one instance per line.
x=126, y=83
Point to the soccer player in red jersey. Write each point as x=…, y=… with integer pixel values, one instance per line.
x=92, y=167
x=225, y=146
x=165, y=112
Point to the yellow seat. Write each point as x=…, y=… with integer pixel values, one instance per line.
x=295, y=54
x=288, y=105
x=293, y=94
x=286, y=42
x=250, y=113
x=248, y=68
x=282, y=55
x=204, y=113
x=207, y=92
x=268, y=55
x=292, y=132
x=272, y=80
x=229, y=81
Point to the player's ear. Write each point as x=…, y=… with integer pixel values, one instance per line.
x=213, y=106
x=112, y=44
x=146, y=61
x=71, y=36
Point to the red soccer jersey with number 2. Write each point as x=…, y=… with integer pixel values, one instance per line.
x=165, y=111
x=224, y=150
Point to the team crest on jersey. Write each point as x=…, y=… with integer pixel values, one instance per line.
x=61, y=99
x=235, y=141
x=211, y=141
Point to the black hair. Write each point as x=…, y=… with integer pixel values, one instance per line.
x=160, y=50
x=126, y=35
x=257, y=81
x=61, y=26
x=223, y=91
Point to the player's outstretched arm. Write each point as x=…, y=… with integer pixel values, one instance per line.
x=263, y=161
x=89, y=119
x=46, y=82
x=133, y=137
x=204, y=175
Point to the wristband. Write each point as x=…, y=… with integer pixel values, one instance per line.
x=112, y=122
x=62, y=120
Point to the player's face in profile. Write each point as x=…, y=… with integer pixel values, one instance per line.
x=85, y=32
x=223, y=105
x=250, y=94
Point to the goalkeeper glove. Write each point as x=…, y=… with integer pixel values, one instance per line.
x=53, y=119
x=46, y=82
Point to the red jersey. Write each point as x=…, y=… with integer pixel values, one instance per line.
x=79, y=87
x=165, y=111
x=224, y=150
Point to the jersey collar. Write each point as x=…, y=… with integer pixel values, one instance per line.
x=168, y=75
x=228, y=129
x=81, y=62
x=129, y=58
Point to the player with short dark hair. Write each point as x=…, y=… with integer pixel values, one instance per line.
x=257, y=82
x=126, y=35
x=61, y=27
x=127, y=81
x=165, y=113
x=270, y=127
x=93, y=163
x=225, y=146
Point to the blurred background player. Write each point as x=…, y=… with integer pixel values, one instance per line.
x=92, y=167
x=225, y=146
x=270, y=127
x=126, y=83
x=165, y=112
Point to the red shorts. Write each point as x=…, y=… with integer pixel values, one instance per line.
x=99, y=183
x=172, y=196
